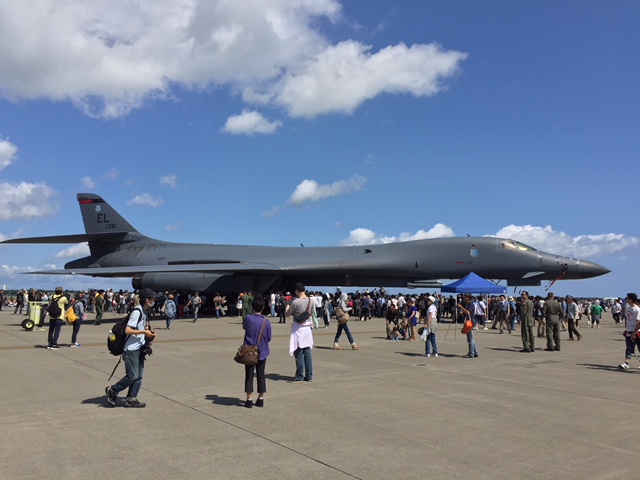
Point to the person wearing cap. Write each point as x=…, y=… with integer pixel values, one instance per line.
x=55, y=322
x=553, y=314
x=431, y=322
x=139, y=333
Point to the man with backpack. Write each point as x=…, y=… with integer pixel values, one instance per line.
x=138, y=334
x=57, y=306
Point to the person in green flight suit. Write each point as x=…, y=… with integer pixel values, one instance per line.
x=247, y=305
x=526, y=324
x=553, y=314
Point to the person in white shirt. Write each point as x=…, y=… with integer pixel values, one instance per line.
x=632, y=318
x=431, y=348
x=139, y=334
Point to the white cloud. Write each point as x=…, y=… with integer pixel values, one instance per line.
x=111, y=174
x=310, y=190
x=560, y=243
x=13, y=271
x=271, y=213
x=78, y=250
x=8, y=153
x=250, y=122
x=26, y=201
x=173, y=227
x=146, y=200
x=364, y=236
x=87, y=182
x=111, y=57
x=169, y=180
x=542, y=238
x=342, y=77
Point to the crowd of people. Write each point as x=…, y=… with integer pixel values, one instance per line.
x=407, y=318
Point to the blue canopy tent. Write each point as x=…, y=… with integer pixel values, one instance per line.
x=473, y=283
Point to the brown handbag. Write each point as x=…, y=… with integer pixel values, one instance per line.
x=249, y=354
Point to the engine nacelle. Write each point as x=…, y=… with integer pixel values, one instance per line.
x=201, y=282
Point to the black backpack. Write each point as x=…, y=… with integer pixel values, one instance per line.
x=54, y=309
x=117, y=336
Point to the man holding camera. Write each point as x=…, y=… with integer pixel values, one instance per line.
x=135, y=350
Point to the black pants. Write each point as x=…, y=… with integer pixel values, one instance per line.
x=572, y=328
x=55, y=324
x=76, y=329
x=249, y=370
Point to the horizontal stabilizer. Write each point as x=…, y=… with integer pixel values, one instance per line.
x=78, y=238
x=227, y=268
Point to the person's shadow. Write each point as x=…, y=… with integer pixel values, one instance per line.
x=225, y=401
x=610, y=368
x=277, y=377
x=100, y=401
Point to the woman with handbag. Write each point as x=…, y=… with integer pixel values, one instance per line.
x=257, y=331
x=343, y=326
x=466, y=313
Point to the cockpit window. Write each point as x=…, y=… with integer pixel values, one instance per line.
x=516, y=246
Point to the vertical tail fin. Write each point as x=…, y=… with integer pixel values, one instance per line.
x=100, y=217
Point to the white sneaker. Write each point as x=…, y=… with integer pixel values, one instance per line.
x=435, y=354
x=624, y=366
x=428, y=354
x=486, y=328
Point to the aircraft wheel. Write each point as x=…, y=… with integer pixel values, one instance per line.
x=28, y=324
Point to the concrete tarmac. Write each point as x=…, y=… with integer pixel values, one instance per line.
x=383, y=412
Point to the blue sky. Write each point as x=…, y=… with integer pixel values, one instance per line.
x=324, y=123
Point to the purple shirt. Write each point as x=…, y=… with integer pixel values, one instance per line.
x=252, y=325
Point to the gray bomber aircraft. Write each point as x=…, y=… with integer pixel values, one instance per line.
x=119, y=250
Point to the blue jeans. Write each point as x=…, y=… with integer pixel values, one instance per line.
x=273, y=310
x=304, y=364
x=195, y=312
x=344, y=327
x=473, y=348
x=134, y=366
x=169, y=320
x=432, y=345
x=630, y=346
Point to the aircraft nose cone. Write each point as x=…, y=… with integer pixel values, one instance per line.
x=590, y=269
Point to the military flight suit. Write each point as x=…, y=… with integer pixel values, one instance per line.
x=553, y=314
x=526, y=326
